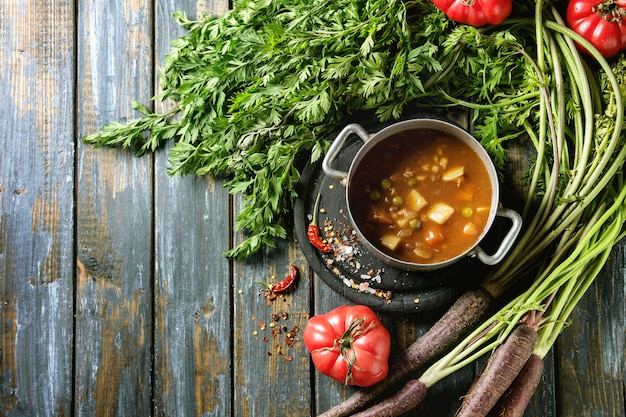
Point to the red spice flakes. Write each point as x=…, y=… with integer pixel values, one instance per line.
x=281, y=334
x=290, y=338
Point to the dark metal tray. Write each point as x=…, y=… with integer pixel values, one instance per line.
x=351, y=270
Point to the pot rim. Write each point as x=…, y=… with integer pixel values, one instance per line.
x=429, y=124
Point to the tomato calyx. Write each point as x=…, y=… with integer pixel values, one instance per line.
x=357, y=328
x=609, y=11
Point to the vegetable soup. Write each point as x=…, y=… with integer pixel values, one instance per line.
x=421, y=196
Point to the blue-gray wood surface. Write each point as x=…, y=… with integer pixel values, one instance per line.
x=115, y=299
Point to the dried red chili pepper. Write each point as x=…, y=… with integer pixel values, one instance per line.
x=282, y=286
x=313, y=231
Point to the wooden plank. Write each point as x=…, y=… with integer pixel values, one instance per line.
x=114, y=209
x=193, y=299
x=328, y=392
x=193, y=295
x=591, y=350
x=271, y=376
x=36, y=207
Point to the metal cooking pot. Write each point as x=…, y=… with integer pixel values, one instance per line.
x=370, y=141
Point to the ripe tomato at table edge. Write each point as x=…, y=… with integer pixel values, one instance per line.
x=349, y=344
x=590, y=19
x=476, y=12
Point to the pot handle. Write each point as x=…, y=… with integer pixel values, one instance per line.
x=335, y=148
x=507, y=241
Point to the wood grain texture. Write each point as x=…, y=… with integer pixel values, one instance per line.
x=193, y=296
x=115, y=298
x=328, y=392
x=36, y=206
x=114, y=215
x=592, y=349
x=271, y=374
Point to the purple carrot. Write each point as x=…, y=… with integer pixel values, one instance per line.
x=457, y=322
x=407, y=398
x=503, y=367
x=515, y=401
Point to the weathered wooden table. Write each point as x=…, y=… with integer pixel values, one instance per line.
x=115, y=298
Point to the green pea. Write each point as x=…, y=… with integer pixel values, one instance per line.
x=415, y=224
x=397, y=200
x=411, y=182
x=467, y=212
x=374, y=194
x=385, y=184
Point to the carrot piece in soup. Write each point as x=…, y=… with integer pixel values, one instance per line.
x=466, y=192
x=470, y=229
x=434, y=235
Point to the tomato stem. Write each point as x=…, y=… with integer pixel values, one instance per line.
x=358, y=327
x=609, y=11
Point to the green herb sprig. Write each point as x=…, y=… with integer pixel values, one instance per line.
x=267, y=82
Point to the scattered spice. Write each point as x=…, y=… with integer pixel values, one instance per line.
x=348, y=257
x=282, y=337
x=290, y=338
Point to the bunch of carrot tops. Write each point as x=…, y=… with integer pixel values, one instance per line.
x=265, y=84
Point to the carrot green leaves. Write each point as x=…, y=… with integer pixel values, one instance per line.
x=257, y=88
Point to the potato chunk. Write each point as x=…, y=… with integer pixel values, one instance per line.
x=453, y=173
x=440, y=212
x=390, y=241
x=415, y=201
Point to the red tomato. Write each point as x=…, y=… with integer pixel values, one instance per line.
x=349, y=344
x=476, y=12
x=600, y=22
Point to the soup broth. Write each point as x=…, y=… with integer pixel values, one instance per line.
x=421, y=196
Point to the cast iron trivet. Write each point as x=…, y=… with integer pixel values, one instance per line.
x=351, y=270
